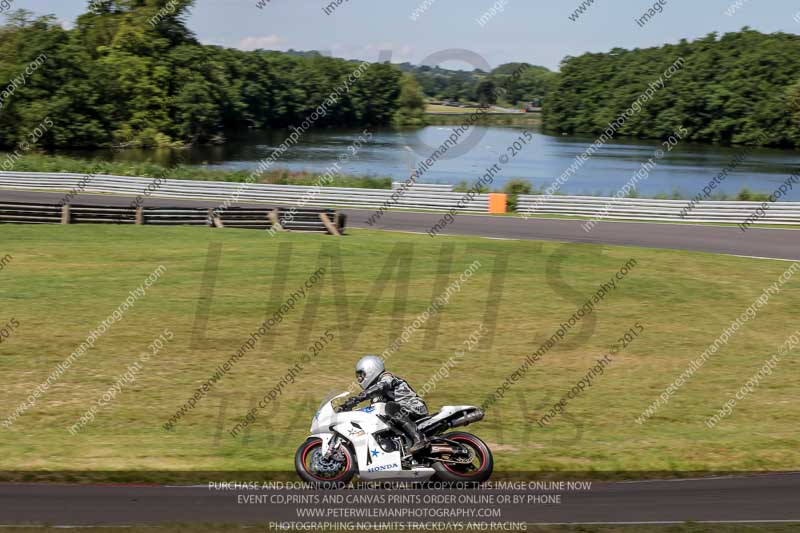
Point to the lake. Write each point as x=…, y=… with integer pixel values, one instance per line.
x=686, y=169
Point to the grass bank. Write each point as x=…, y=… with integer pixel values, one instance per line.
x=63, y=282
x=47, y=163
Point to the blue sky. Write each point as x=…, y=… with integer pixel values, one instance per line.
x=535, y=31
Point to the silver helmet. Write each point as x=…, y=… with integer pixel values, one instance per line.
x=368, y=369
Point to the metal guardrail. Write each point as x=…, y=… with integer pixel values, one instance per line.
x=425, y=198
x=733, y=212
x=440, y=187
x=421, y=197
x=281, y=219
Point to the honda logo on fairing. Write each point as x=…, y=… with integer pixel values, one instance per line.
x=384, y=467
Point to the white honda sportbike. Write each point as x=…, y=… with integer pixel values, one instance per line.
x=364, y=442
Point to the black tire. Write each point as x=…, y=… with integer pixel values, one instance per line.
x=477, y=472
x=301, y=465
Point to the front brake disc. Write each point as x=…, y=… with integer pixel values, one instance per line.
x=328, y=466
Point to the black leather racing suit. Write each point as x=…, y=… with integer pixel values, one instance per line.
x=402, y=404
x=392, y=389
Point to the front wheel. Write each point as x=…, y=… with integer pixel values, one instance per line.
x=477, y=470
x=312, y=467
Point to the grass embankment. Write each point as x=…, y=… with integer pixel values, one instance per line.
x=46, y=163
x=63, y=281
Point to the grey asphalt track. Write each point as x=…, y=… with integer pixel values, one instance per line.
x=767, y=242
x=759, y=498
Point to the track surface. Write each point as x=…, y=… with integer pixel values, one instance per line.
x=763, y=498
x=773, y=243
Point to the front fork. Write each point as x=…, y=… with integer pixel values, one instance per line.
x=332, y=448
x=332, y=452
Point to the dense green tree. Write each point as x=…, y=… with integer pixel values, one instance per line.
x=734, y=88
x=131, y=73
x=522, y=83
x=486, y=93
x=374, y=95
x=411, y=102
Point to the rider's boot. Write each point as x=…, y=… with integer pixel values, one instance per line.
x=419, y=440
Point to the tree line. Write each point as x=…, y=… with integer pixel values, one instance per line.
x=531, y=85
x=738, y=88
x=130, y=73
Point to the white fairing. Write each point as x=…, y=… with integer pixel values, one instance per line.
x=359, y=427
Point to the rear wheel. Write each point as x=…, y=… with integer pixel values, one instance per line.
x=312, y=467
x=474, y=463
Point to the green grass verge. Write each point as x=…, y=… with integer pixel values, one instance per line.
x=46, y=163
x=63, y=281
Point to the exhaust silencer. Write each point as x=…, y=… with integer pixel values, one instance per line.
x=467, y=419
x=437, y=449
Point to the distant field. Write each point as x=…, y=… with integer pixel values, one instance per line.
x=437, y=108
x=447, y=115
x=63, y=281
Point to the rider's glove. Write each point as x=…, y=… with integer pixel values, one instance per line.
x=349, y=404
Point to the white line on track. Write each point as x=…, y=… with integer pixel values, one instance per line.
x=769, y=258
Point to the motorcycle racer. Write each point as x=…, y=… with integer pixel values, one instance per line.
x=403, y=405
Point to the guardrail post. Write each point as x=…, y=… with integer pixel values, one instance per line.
x=276, y=222
x=139, y=216
x=65, y=214
x=213, y=220
x=333, y=230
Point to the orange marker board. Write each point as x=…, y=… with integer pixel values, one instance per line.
x=497, y=202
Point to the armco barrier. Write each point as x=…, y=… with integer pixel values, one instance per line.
x=778, y=213
x=420, y=197
x=424, y=197
x=281, y=219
